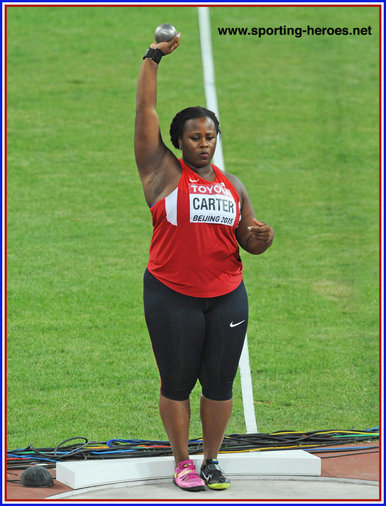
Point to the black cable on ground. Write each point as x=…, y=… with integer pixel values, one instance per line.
x=233, y=443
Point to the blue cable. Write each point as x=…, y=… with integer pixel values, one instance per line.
x=31, y=457
x=345, y=448
x=115, y=451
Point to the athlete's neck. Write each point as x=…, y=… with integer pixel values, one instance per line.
x=205, y=172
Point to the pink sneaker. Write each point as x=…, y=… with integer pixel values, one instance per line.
x=186, y=477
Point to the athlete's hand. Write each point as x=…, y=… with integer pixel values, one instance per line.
x=167, y=47
x=262, y=232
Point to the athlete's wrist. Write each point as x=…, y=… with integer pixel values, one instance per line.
x=153, y=53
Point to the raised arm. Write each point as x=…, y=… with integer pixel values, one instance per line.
x=151, y=154
x=147, y=136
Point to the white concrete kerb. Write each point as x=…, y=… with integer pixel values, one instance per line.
x=81, y=474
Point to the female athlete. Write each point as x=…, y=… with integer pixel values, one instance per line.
x=196, y=306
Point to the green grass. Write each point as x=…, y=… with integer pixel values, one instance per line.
x=300, y=128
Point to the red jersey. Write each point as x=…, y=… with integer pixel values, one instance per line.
x=194, y=249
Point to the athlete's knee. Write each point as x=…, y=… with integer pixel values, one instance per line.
x=222, y=392
x=176, y=392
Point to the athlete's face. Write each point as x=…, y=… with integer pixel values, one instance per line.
x=198, y=142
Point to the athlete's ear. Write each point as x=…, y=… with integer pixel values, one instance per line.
x=179, y=143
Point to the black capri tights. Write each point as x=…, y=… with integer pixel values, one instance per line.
x=195, y=338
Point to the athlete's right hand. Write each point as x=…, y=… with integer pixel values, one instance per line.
x=167, y=47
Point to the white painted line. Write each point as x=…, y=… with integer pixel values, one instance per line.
x=218, y=159
x=247, y=390
x=209, y=82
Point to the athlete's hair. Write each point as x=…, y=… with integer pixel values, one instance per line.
x=178, y=124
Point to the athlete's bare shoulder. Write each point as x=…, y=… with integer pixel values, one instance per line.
x=240, y=188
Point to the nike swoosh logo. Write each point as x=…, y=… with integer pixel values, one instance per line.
x=193, y=180
x=235, y=324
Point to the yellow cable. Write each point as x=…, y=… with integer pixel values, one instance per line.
x=270, y=448
x=325, y=432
